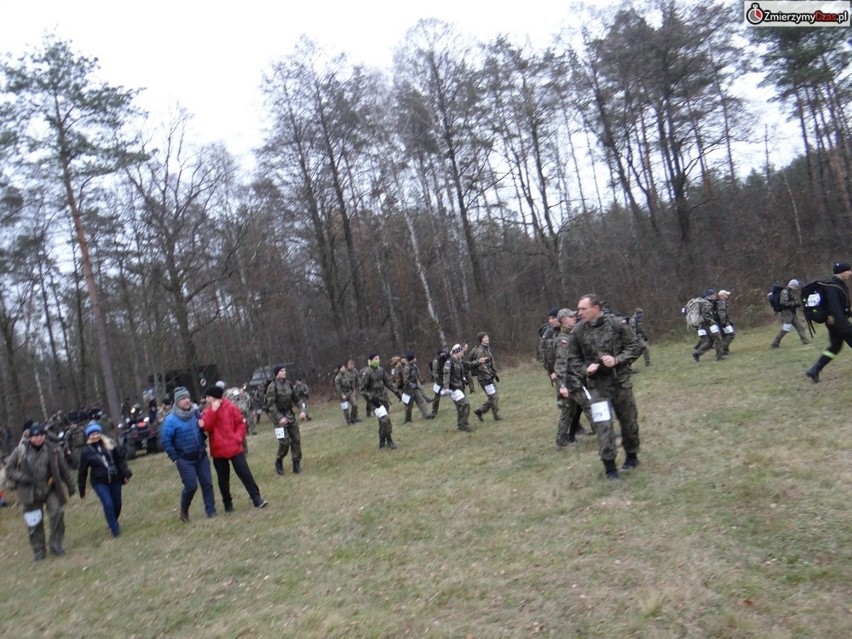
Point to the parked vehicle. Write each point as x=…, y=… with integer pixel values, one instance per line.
x=139, y=433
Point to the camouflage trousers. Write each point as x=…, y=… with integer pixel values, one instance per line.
x=570, y=409
x=646, y=352
x=623, y=405
x=416, y=398
x=462, y=412
x=56, y=514
x=710, y=341
x=350, y=414
x=491, y=402
x=292, y=444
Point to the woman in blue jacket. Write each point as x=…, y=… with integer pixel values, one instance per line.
x=183, y=442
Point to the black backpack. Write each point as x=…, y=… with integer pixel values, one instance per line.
x=815, y=307
x=774, y=296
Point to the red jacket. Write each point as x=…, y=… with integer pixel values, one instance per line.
x=227, y=430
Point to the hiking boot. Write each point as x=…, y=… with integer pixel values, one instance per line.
x=58, y=552
x=497, y=418
x=611, y=470
x=430, y=416
x=184, y=516
x=478, y=413
x=38, y=556
x=229, y=508
x=279, y=467
x=814, y=375
x=695, y=356
x=631, y=462
x=391, y=445
x=773, y=345
x=296, y=468
x=465, y=428
x=263, y=504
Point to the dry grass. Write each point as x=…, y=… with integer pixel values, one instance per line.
x=736, y=524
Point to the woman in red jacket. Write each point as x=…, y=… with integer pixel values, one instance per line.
x=225, y=425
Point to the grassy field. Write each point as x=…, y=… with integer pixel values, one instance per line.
x=737, y=524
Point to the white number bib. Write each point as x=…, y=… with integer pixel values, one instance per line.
x=280, y=432
x=344, y=405
x=380, y=412
x=701, y=332
x=729, y=329
x=33, y=517
x=600, y=412
x=406, y=399
x=490, y=389
x=436, y=388
x=786, y=327
x=457, y=395
x=714, y=329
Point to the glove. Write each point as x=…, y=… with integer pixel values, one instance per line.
x=496, y=377
x=398, y=395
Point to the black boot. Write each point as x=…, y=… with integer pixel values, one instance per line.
x=279, y=467
x=611, y=470
x=296, y=467
x=631, y=462
x=813, y=371
x=391, y=445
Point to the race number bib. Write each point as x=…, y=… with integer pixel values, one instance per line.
x=436, y=388
x=490, y=389
x=406, y=399
x=701, y=332
x=729, y=329
x=380, y=412
x=33, y=517
x=714, y=329
x=280, y=432
x=786, y=327
x=457, y=395
x=344, y=405
x=600, y=412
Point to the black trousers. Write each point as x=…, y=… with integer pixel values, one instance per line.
x=242, y=470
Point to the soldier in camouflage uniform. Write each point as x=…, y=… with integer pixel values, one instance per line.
x=240, y=398
x=375, y=384
x=303, y=392
x=75, y=439
x=602, y=348
x=635, y=323
x=363, y=373
x=436, y=367
x=789, y=319
x=570, y=405
x=37, y=467
x=546, y=340
x=708, y=332
x=281, y=402
x=723, y=319
x=454, y=379
x=343, y=387
x=481, y=363
x=355, y=383
x=412, y=386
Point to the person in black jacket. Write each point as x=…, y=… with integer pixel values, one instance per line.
x=838, y=325
x=109, y=473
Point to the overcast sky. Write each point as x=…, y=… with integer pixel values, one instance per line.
x=210, y=57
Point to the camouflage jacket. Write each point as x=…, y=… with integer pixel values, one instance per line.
x=454, y=375
x=281, y=401
x=484, y=372
x=37, y=471
x=303, y=392
x=635, y=322
x=708, y=312
x=242, y=400
x=590, y=341
x=560, y=359
x=547, y=346
x=343, y=383
x=375, y=384
x=789, y=303
x=722, y=312
x=411, y=378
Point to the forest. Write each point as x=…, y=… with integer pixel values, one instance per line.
x=470, y=187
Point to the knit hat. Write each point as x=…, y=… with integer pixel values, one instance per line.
x=180, y=393
x=709, y=292
x=278, y=369
x=93, y=427
x=553, y=312
x=214, y=391
x=794, y=283
x=37, y=429
x=372, y=355
x=841, y=267
x=410, y=355
x=457, y=348
x=480, y=335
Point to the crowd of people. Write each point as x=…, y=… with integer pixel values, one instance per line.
x=587, y=353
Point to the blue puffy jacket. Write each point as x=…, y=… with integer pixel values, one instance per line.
x=182, y=438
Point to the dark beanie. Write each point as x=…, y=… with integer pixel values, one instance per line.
x=214, y=391
x=410, y=355
x=841, y=267
x=480, y=335
x=553, y=312
x=372, y=355
x=277, y=370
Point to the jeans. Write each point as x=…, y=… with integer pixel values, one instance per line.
x=192, y=473
x=110, y=496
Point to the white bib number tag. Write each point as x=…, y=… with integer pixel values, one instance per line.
x=600, y=412
x=280, y=432
x=714, y=329
x=344, y=405
x=701, y=332
x=490, y=389
x=786, y=327
x=33, y=517
x=406, y=399
x=457, y=395
x=381, y=411
x=436, y=388
x=729, y=329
